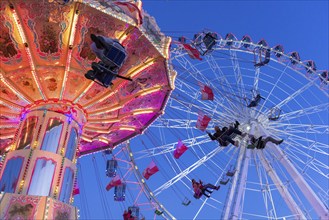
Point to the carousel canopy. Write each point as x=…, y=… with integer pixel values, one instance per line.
x=45, y=52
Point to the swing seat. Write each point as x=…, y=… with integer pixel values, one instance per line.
x=231, y=173
x=158, y=212
x=251, y=146
x=224, y=181
x=266, y=60
x=273, y=118
x=197, y=196
x=186, y=202
x=112, y=55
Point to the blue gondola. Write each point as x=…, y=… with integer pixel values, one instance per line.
x=278, y=51
x=310, y=66
x=120, y=193
x=111, y=168
x=246, y=40
x=324, y=77
x=294, y=58
x=229, y=39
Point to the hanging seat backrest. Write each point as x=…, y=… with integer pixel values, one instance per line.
x=224, y=181
x=186, y=202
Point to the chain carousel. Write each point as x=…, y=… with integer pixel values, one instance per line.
x=52, y=112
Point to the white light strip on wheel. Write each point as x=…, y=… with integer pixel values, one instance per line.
x=29, y=56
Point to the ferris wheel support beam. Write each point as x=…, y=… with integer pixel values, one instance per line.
x=294, y=208
x=257, y=71
x=316, y=203
x=231, y=194
x=242, y=184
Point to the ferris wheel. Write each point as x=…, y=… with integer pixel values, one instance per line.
x=270, y=92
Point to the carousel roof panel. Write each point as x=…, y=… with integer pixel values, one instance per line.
x=45, y=52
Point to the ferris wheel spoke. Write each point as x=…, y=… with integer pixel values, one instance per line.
x=298, y=141
x=191, y=69
x=185, y=172
x=294, y=95
x=273, y=87
x=303, y=128
x=221, y=79
x=304, y=112
x=173, y=123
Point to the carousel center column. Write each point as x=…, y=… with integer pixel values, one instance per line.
x=38, y=172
